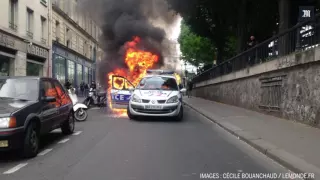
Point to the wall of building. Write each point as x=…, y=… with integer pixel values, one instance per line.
x=287, y=87
x=76, y=41
x=25, y=50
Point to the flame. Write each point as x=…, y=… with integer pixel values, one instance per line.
x=178, y=78
x=137, y=61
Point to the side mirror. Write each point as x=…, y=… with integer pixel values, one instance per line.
x=49, y=99
x=183, y=90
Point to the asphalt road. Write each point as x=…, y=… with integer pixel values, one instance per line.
x=110, y=148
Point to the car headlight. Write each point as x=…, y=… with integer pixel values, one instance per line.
x=8, y=122
x=136, y=98
x=173, y=99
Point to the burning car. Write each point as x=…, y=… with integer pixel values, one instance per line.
x=157, y=95
x=121, y=81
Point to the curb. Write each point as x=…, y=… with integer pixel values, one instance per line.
x=287, y=160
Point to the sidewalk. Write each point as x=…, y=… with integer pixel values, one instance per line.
x=294, y=145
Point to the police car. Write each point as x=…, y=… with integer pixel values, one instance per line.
x=158, y=94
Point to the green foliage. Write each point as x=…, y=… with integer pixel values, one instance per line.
x=195, y=49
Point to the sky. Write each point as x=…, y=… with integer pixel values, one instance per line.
x=174, y=36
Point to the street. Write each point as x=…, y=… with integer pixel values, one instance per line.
x=111, y=148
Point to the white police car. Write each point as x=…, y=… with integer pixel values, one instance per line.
x=158, y=94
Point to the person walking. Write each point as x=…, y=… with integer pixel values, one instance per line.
x=86, y=89
x=68, y=84
x=82, y=88
x=190, y=86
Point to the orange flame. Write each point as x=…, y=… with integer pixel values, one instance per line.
x=138, y=62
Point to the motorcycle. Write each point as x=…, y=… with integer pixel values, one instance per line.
x=80, y=110
x=98, y=99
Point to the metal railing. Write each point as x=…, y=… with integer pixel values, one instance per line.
x=30, y=34
x=298, y=38
x=13, y=26
x=43, y=41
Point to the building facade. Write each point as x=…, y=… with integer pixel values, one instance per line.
x=75, y=48
x=24, y=34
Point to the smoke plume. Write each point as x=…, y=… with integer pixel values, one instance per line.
x=121, y=20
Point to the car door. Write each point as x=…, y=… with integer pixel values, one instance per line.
x=120, y=93
x=64, y=100
x=49, y=110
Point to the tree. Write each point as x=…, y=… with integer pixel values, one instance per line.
x=195, y=49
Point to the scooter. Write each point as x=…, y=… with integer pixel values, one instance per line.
x=96, y=99
x=80, y=110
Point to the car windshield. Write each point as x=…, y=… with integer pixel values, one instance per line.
x=158, y=83
x=22, y=89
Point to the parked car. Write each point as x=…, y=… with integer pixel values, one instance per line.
x=30, y=107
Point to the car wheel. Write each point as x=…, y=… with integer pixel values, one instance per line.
x=179, y=117
x=132, y=117
x=31, y=141
x=68, y=125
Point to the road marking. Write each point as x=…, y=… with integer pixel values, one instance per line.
x=63, y=141
x=16, y=168
x=77, y=133
x=44, y=152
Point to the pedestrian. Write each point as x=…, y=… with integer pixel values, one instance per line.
x=252, y=56
x=82, y=88
x=190, y=86
x=86, y=88
x=68, y=84
x=93, y=85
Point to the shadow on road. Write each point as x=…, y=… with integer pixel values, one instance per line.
x=46, y=141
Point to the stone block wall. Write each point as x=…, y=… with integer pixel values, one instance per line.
x=287, y=87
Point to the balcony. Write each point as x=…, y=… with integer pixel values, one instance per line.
x=13, y=26
x=43, y=41
x=30, y=34
x=43, y=2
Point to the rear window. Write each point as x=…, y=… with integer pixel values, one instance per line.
x=23, y=89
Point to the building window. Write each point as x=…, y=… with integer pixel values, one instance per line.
x=43, y=30
x=13, y=6
x=29, y=23
x=4, y=65
x=34, y=69
x=57, y=31
x=60, y=68
x=79, y=73
x=68, y=37
x=71, y=71
x=86, y=75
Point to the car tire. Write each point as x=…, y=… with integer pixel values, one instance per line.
x=130, y=116
x=31, y=141
x=68, y=125
x=179, y=117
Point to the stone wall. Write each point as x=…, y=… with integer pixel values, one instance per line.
x=287, y=87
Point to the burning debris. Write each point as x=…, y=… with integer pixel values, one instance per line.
x=131, y=40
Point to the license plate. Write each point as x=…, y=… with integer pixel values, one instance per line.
x=153, y=107
x=4, y=144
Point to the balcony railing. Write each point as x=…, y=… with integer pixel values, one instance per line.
x=30, y=34
x=13, y=26
x=301, y=37
x=43, y=41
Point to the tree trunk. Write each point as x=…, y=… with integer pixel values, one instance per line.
x=284, y=16
x=242, y=26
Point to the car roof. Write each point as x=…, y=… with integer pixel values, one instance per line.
x=168, y=76
x=26, y=77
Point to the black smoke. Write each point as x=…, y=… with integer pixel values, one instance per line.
x=121, y=20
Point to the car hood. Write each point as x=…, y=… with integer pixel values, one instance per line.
x=10, y=106
x=155, y=94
